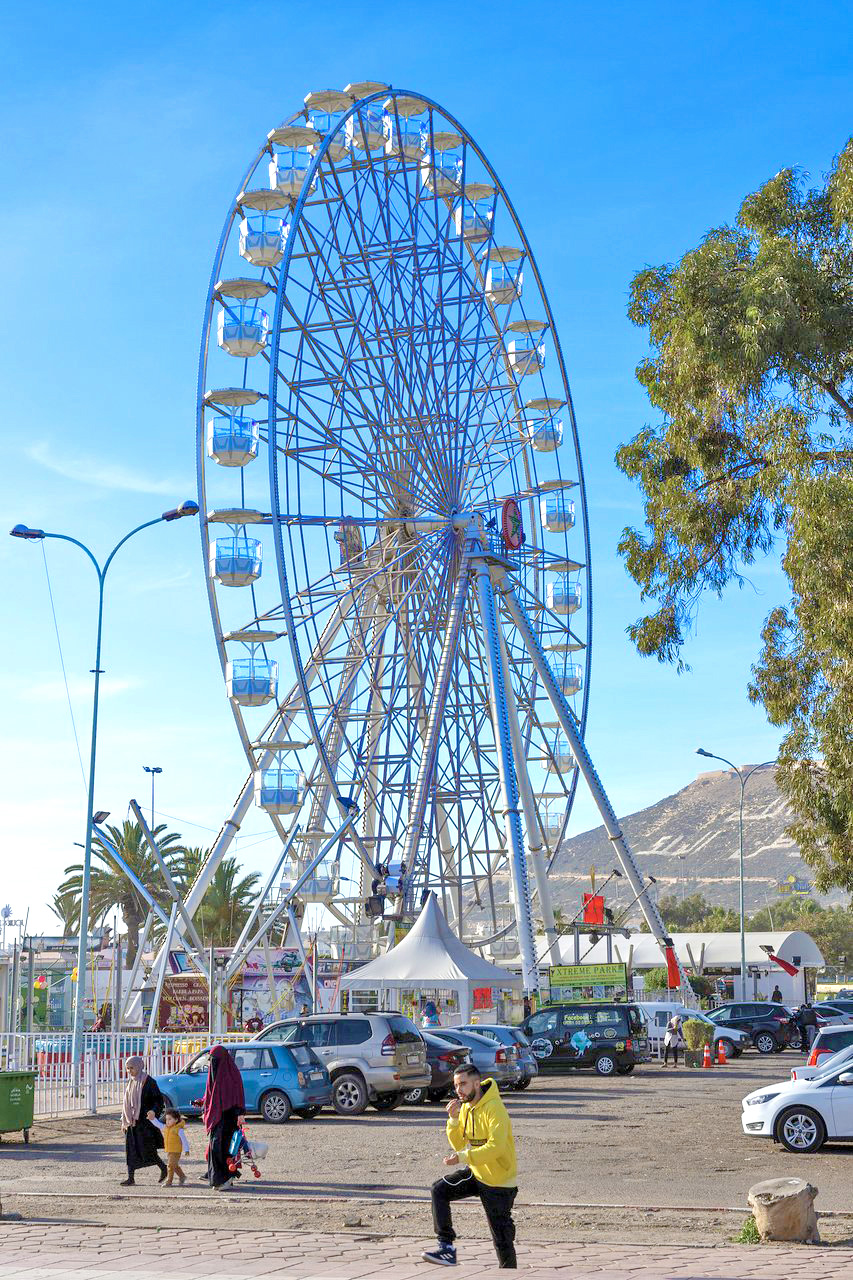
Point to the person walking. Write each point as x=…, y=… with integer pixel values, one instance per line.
x=223, y=1104
x=776, y=997
x=141, y=1139
x=173, y=1128
x=480, y=1133
x=673, y=1039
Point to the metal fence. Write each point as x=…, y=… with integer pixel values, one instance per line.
x=101, y=1077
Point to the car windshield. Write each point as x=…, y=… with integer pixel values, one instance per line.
x=283, y=1031
x=833, y=1064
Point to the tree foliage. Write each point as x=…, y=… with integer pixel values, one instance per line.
x=751, y=371
x=225, y=907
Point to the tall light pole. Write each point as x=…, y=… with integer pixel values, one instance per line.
x=152, y=769
x=743, y=778
x=38, y=535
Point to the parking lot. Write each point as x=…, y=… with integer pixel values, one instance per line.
x=662, y=1139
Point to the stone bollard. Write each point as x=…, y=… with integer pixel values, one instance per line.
x=784, y=1210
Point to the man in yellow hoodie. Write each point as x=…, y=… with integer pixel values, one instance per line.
x=480, y=1133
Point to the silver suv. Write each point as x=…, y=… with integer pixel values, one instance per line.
x=371, y=1057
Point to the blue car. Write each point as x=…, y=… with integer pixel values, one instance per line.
x=278, y=1080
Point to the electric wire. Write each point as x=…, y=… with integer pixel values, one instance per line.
x=62, y=665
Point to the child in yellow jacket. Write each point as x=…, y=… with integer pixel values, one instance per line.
x=480, y=1133
x=175, y=1141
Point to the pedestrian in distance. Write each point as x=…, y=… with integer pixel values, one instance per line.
x=807, y=1022
x=673, y=1039
x=223, y=1105
x=776, y=997
x=480, y=1133
x=142, y=1142
x=173, y=1128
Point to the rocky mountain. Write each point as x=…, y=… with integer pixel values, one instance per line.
x=689, y=843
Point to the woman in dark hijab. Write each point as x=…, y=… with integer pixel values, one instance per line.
x=141, y=1139
x=223, y=1104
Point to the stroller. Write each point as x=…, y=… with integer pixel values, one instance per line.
x=240, y=1148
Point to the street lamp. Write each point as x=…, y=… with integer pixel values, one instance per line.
x=152, y=769
x=743, y=778
x=38, y=535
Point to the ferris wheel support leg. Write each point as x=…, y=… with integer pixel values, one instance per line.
x=507, y=776
x=429, y=751
x=528, y=803
x=611, y=823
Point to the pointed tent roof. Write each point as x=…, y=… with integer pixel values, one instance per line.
x=430, y=955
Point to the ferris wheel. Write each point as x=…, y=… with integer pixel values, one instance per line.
x=394, y=520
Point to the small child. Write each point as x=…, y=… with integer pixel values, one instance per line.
x=175, y=1141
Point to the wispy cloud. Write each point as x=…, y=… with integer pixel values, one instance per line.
x=78, y=687
x=97, y=472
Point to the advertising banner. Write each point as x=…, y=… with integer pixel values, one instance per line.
x=588, y=982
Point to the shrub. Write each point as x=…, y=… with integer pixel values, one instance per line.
x=697, y=1033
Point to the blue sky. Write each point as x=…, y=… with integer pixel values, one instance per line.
x=621, y=135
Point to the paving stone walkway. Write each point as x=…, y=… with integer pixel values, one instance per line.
x=47, y=1252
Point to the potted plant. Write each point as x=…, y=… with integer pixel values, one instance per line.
x=697, y=1034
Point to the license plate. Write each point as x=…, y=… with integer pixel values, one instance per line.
x=316, y=1075
x=414, y=1057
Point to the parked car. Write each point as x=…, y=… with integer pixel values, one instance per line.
x=827, y=1042
x=442, y=1058
x=510, y=1038
x=768, y=1026
x=488, y=1056
x=371, y=1058
x=832, y=1013
x=278, y=1081
x=658, y=1014
x=803, y=1114
x=834, y=1057
x=610, y=1038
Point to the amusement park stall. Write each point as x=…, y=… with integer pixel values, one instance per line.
x=431, y=963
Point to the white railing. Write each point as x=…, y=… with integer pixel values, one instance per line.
x=101, y=1078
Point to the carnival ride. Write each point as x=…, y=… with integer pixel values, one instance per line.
x=394, y=529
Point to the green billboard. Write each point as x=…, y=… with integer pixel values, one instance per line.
x=588, y=982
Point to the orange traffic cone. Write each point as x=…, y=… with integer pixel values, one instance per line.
x=706, y=1060
x=721, y=1054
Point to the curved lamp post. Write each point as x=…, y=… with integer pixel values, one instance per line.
x=743, y=778
x=38, y=535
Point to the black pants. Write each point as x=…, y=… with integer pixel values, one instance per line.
x=497, y=1202
x=217, y=1148
x=666, y=1049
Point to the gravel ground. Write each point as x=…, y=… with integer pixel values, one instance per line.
x=666, y=1144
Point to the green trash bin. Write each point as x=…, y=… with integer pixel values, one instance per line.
x=17, y=1100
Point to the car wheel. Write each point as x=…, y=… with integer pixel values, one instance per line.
x=387, y=1101
x=276, y=1107
x=437, y=1095
x=605, y=1064
x=727, y=1046
x=415, y=1096
x=523, y=1084
x=738, y=1051
x=350, y=1094
x=801, y=1130
x=780, y=1047
x=765, y=1042
x=626, y=1070
x=308, y=1113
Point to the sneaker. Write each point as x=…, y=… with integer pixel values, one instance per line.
x=443, y=1256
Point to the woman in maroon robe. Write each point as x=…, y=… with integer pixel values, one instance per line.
x=224, y=1103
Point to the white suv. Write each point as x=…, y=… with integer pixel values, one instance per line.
x=371, y=1057
x=803, y=1114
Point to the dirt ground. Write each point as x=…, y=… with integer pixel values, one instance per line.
x=657, y=1156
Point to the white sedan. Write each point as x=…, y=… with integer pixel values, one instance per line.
x=803, y=1114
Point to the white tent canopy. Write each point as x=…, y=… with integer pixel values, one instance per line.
x=432, y=957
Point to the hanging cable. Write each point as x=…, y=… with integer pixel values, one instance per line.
x=62, y=664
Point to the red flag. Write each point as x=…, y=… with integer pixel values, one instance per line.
x=593, y=908
x=673, y=976
x=783, y=964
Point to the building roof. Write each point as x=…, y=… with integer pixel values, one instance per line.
x=704, y=950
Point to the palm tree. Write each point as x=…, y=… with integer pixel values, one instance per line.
x=68, y=911
x=226, y=905
x=110, y=887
